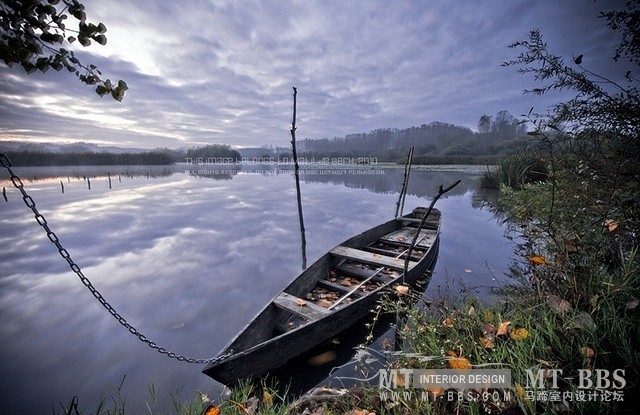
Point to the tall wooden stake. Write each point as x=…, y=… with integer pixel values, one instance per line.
x=297, y=174
x=405, y=183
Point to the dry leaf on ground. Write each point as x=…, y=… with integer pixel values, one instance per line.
x=537, y=260
x=504, y=327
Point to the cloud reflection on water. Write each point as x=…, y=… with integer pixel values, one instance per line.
x=187, y=260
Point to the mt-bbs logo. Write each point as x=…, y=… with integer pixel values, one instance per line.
x=587, y=379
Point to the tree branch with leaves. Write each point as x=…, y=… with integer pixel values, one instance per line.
x=33, y=33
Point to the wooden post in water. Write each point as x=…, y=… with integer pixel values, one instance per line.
x=109, y=177
x=62, y=186
x=297, y=175
x=405, y=183
x=4, y=194
x=89, y=183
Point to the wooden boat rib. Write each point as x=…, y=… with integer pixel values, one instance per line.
x=338, y=290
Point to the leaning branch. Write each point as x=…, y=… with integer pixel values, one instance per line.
x=441, y=191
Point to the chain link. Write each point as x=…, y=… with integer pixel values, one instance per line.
x=42, y=221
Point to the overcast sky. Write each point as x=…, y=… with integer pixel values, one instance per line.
x=222, y=71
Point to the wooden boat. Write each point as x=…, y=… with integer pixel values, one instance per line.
x=338, y=290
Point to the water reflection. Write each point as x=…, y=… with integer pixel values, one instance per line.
x=188, y=260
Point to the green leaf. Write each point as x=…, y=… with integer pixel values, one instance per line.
x=42, y=64
x=102, y=90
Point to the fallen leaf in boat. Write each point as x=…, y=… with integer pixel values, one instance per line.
x=588, y=352
x=322, y=358
x=632, y=304
x=301, y=302
x=537, y=260
x=402, y=289
x=447, y=322
x=519, y=334
x=325, y=303
x=211, y=410
x=376, y=255
x=557, y=304
x=487, y=343
x=502, y=330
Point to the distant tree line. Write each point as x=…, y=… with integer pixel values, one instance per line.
x=434, y=143
x=41, y=158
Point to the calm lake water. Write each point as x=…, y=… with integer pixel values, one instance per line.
x=188, y=255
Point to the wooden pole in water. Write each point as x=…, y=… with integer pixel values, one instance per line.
x=109, y=176
x=405, y=183
x=62, y=186
x=297, y=175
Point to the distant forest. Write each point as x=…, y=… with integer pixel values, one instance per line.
x=47, y=158
x=434, y=143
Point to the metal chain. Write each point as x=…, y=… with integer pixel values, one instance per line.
x=31, y=204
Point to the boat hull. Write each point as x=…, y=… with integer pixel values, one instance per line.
x=257, y=350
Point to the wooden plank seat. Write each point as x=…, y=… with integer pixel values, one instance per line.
x=342, y=289
x=404, y=236
x=303, y=308
x=370, y=257
x=391, y=252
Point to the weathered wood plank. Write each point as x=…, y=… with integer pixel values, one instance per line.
x=304, y=308
x=370, y=257
x=358, y=270
x=340, y=288
x=414, y=222
x=392, y=253
x=405, y=235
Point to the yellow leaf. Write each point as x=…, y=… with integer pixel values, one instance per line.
x=267, y=399
x=519, y=334
x=520, y=391
x=502, y=330
x=211, y=410
x=459, y=363
x=447, y=322
x=537, y=260
x=588, y=352
x=301, y=302
x=487, y=343
x=402, y=289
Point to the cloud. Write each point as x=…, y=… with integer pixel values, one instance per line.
x=215, y=71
